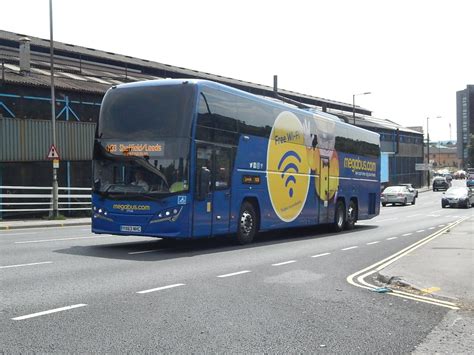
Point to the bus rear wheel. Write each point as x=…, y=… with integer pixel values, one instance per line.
x=339, y=217
x=247, y=224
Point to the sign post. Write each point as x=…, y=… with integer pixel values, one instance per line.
x=54, y=156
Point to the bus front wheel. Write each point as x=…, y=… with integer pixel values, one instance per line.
x=339, y=217
x=248, y=223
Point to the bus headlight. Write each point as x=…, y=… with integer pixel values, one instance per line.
x=170, y=214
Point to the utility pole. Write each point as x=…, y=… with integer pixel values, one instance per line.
x=428, y=149
x=53, y=110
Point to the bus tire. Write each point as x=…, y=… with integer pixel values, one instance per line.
x=351, y=217
x=247, y=223
x=339, y=217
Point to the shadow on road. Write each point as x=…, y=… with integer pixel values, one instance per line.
x=156, y=249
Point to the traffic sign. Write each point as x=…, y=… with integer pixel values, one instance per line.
x=423, y=166
x=53, y=152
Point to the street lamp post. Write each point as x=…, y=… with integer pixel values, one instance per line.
x=53, y=111
x=354, y=105
x=428, y=148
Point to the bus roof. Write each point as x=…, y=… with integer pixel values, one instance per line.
x=352, y=131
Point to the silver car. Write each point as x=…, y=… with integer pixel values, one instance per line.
x=398, y=194
x=458, y=196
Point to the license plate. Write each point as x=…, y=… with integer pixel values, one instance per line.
x=130, y=228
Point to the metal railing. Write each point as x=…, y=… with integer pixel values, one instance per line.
x=15, y=200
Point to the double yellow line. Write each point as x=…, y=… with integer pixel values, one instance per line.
x=359, y=278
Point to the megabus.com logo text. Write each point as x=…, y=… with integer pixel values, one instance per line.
x=131, y=207
x=360, y=165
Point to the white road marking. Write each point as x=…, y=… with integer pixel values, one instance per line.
x=377, y=241
x=318, y=255
x=434, y=215
x=441, y=225
x=144, y=251
x=414, y=215
x=50, y=311
x=432, y=228
x=285, y=262
x=354, y=247
x=406, y=234
x=61, y=239
x=421, y=230
x=364, y=273
x=160, y=288
x=30, y=264
x=235, y=273
x=392, y=238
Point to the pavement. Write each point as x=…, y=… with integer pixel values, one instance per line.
x=39, y=223
x=442, y=268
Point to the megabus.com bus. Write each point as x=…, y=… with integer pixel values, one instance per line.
x=193, y=158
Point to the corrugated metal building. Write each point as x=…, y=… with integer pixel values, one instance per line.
x=82, y=76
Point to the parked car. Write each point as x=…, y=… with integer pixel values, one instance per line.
x=470, y=183
x=470, y=178
x=411, y=188
x=397, y=194
x=440, y=183
x=458, y=196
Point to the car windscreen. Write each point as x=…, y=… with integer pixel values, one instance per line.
x=394, y=189
x=457, y=191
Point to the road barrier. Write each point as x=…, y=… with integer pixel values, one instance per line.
x=18, y=200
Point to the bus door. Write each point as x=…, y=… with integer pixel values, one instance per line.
x=212, y=200
x=324, y=190
x=221, y=190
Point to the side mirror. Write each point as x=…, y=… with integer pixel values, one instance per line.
x=96, y=185
x=204, y=183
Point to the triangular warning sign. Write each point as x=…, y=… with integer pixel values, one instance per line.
x=53, y=152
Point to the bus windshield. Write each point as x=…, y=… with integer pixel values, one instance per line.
x=143, y=141
x=139, y=173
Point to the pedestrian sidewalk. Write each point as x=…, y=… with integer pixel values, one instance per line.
x=443, y=267
x=38, y=223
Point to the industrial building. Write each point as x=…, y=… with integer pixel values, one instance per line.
x=83, y=75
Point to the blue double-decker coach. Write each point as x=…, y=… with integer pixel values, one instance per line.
x=193, y=158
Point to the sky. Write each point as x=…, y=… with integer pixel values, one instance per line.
x=412, y=55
